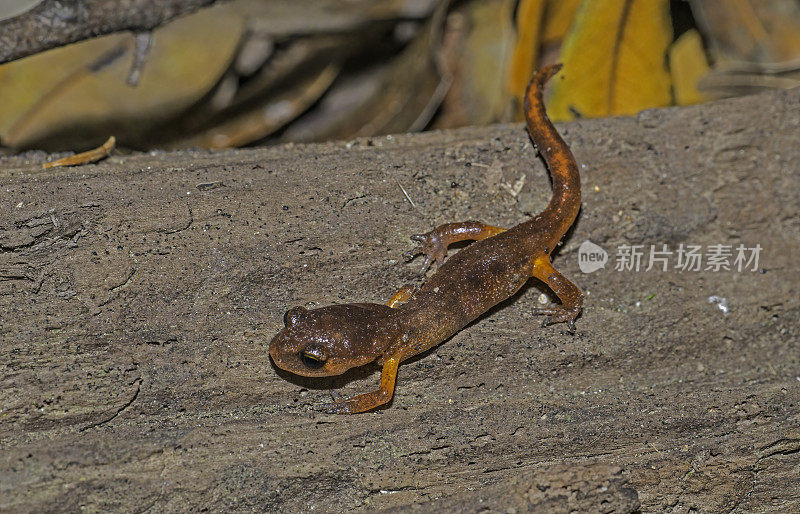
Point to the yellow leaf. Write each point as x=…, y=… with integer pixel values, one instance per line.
x=614, y=60
x=523, y=58
x=687, y=63
x=557, y=19
x=83, y=86
x=26, y=82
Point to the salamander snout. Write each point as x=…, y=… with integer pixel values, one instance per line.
x=326, y=341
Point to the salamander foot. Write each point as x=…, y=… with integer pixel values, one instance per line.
x=559, y=315
x=431, y=246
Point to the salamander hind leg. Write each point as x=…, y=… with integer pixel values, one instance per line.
x=569, y=294
x=433, y=245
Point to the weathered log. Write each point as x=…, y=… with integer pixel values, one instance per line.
x=138, y=296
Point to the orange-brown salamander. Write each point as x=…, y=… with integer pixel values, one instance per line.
x=330, y=340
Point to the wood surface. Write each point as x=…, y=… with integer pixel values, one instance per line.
x=138, y=296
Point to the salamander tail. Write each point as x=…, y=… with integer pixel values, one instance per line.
x=566, y=200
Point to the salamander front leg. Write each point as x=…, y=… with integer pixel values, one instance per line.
x=569, y=294
x=368, y=401
x=434, y=244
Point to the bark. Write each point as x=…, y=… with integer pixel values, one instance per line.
x=54, y=23
x=138, y=296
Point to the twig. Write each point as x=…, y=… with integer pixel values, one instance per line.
x=406, y=194
x=85, y=157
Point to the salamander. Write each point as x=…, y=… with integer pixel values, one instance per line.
x=330, y=340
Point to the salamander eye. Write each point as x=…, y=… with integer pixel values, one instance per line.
x=294, y=315
x=312, y=359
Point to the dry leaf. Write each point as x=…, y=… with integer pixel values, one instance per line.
x=90, y=96
x=33, y=80
x=395, y=96
x=488, y=49
x=16, y=7
x=558, y=17
x=761, y=31
x=614, y=60
x=523, y=58
x=478, y=44
x=256, y=124
x=725, y=83
x=244, y=110
x=283, y=19
x=687, y=63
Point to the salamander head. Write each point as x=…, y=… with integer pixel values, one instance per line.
x=330, y=340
